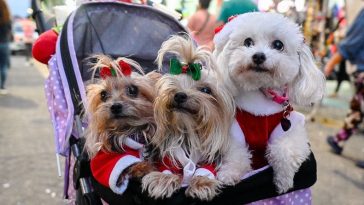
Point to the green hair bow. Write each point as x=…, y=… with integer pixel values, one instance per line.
x=192, y=69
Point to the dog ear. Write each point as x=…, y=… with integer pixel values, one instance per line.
x=309, y=85
x=92, y=91
x=221, y=39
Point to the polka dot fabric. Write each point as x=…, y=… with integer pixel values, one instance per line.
x=58, y=107
x=300, y=197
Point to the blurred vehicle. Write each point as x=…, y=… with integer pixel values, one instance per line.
x=23, y=33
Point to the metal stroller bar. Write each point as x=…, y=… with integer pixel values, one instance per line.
x=39, y=17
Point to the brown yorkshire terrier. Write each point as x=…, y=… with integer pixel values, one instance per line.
x=193, y=113
x=120, y=120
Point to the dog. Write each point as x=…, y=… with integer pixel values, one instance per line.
x=120, y=121
x=266, y=66
x=193, y=113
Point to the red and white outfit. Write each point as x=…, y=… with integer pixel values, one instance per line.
x=257, y=122
x=187, y=167
x=107, y=167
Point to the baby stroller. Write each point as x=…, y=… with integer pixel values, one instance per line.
x=136, y=31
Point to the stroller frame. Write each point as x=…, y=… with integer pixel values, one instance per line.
x=259, y=185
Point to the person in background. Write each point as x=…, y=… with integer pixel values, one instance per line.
x=351, y=48
x=202, y=24
x=29, y=37
x=5, y=37
x=233, y=7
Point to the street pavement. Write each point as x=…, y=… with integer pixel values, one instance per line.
x=28, y=171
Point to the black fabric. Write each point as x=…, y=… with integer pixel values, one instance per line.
x=5, y=32
x=119, y=29
x=257, y=187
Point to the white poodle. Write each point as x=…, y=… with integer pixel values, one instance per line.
x=267, y=65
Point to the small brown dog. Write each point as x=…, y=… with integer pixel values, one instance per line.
x=193, y=113
x=120, y=113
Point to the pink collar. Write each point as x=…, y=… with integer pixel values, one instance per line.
x=277, y=95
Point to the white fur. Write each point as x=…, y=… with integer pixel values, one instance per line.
x=293, y=67
x=256, y=103
x=234, y=164
x=286, y=154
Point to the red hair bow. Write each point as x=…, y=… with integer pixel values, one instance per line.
x=124, y=67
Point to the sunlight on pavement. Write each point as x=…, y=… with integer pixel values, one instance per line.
x=43, y=69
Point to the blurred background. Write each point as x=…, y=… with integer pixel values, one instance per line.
x=28, y=163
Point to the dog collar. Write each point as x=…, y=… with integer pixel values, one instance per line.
x=280, y=96
x=277, y=95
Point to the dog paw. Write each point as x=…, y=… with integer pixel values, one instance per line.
x=283, y=183
x=140, y=169
x=203, y=188
x=228, y=178
x=160, y=185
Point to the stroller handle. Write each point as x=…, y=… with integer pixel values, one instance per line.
x=38, y=16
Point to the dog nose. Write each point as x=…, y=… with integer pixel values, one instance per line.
x=259, y=58
x=180, y=97
x=116, y=108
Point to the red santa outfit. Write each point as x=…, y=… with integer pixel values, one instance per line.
x=107, y=167
x=257, y=122
x=186, y=167
x=257, y=130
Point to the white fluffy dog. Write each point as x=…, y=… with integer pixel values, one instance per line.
x=266, y=65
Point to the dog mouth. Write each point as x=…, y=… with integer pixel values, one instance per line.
x=120, y=116
x=258, y=69
x=182, y=109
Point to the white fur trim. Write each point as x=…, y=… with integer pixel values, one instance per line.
x=295, y=118
x=133, y=144
x=118, y=169
x=167, y=171
x=204, y=172
x=237, y=134
x=256, y=103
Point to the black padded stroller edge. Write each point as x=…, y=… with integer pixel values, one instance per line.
x=257, y=187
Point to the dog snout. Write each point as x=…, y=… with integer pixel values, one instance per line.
x=116, y=108
x=180, y=97
x=259, y=58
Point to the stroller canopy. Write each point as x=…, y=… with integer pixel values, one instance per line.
x=110, y=28
x=117, y=29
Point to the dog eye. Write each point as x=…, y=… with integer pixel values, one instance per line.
x=278, y=45
x=132, y=90
x=248, y=42
x=104, y=95
x=206, y=90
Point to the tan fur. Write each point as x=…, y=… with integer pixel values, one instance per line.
x=203, y=188
x=140, y=169
x=201, y=126
x=105, y=132
x=160, y=185
x=206, y=130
